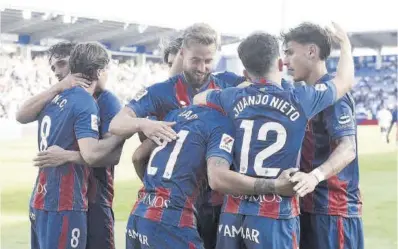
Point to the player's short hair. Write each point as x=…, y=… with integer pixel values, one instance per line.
x=172, y=48
x=200, y=33
x=257, y=52
x=307, y=33
x=87, y=58
x=61, y=50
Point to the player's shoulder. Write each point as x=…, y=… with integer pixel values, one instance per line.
x=229, y=78
x=81, y=99
x=107, y=95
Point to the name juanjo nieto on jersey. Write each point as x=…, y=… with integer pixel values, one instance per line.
x=282, y=105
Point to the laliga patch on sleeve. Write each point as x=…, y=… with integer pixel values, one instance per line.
x=321, y=87
x=227, y=143
x=94, y=122
x=141, y=93
x=344, y=119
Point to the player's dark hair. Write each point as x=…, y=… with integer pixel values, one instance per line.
x=307, y=33
x=258, y=52
x=172, y=48
x=200, y=33
x=87, y=58
x=61, y=50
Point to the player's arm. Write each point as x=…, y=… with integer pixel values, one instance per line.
x=141, y=157
x=345, y=73
x=224, y=180
x=31, y=109
x=340, y=125
x=57, y=156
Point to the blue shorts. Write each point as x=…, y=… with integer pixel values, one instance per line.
x=238, y=231
x=100, y=227
x=58, y=230
x=142, y=233
x=208, y=218
x=330, y=232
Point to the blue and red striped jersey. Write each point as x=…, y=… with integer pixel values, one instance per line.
x=340, y=194
x=159, y=99
x=177, y=171
x=70, y=116
x=101, y=180
x=270, y=124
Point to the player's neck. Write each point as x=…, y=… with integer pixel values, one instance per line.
x=91, y=90
x=275, y=79
x=317, y=72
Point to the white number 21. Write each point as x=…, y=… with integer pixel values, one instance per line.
x=247, y=125
x=168, y=171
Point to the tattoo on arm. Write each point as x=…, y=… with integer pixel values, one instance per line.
x=262, y=186
x=217, y=162
x=344, y=153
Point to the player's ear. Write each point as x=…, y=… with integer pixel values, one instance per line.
x=280, y=65
x=246, y=74
x=312, y=51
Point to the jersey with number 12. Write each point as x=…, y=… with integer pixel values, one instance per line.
x=270, y=125
x=71, y=115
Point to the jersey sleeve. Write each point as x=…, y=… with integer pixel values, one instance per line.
x=148, y=101
x=221, y=140
x=314, y=99
x=339, y=119
x=221, y=100
x=109, y=106
x=86, y=120
x=230, y=78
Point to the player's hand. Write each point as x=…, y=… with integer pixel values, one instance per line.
x=338, y=34
x=52, y=157
x=158, y=131
x=305, y=183
x=72, y=80
x=283, y=185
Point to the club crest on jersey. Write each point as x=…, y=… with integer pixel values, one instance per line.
x=94, y=122
x=227, y=143
x=321, y=87
x=141, y=93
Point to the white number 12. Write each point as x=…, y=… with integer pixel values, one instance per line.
x=247, y=125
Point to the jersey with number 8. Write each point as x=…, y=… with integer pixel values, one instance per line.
x=176, y=171
x=71, y=115
x=270, y=125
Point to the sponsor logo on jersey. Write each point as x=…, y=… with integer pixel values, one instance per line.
x=321, y=87
x=227, y=143
x=94, y=122
x=344, y=119
x=141, y=93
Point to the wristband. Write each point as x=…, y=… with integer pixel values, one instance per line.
x=318, y=175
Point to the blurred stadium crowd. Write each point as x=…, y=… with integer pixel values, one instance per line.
x=23, y=78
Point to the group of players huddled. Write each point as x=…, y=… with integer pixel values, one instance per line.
x=226, y=161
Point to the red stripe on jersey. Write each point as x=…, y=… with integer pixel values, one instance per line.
x=294, y=238
x=141, y=193
x=295, y=206
x=269, y=209
x=191, y=245
x=67, y=189
x=182, y=94
x=337, y=196
x=232, y=205
x=187, y=215
x=212, y=85
x=111, y=235
x=86, y=175
x=307, y=157
x=155, y=213
x=40, y=191
x=216, y=198
x=109, y=180
x=216, y=107
x=64, y=233
x=340, y=232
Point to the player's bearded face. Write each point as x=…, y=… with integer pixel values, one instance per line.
x=296, y=60
x=198, y=62
x=60, y=66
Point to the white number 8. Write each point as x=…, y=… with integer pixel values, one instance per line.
x=74, y=242
x=45, y=127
